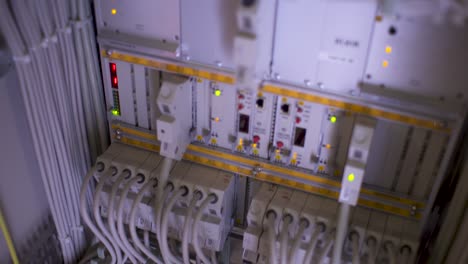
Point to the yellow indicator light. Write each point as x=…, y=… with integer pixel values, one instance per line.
x=216, y=119
x=294, y=156
x=113, y=11
x=327, y=146
x=277, y=157
x=388, y=49
x=284, y=99
x=255, y=151
x=321, y=168
x=260, y=94
x=385, y=63
x=278, y=151
x=213, y=141
x=254, y=145
x=301, y=103
x=241, y=141
x=115, y=112
x=200, y=138
x=333, y=119
x=293, y=162
x=217, y=92
x=351, y=177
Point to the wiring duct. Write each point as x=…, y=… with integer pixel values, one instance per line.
x=64, y=104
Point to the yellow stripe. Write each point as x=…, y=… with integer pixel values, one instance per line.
x=134, y=132
x=360, y=109
x=170, y=67
x=282, y=181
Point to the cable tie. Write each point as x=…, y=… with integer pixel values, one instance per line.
x=24, y=59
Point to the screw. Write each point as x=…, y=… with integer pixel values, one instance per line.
x=219, y=63
x=276, y=76
x=109, y=52
x=256, y=170
x=118, y=137
x=307, y=83
x=118, y=131
x=413, y=210
x=187, y=57
x=320, y=85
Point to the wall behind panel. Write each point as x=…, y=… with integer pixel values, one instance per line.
x=22, y=196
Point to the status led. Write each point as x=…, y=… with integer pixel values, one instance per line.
x=113, y=11
x=217, y=92
x=351, y=177
x=333, y=119
x=385, y=63
x=115, y=112
x=388, y=49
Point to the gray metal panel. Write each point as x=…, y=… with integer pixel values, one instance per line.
x=426, y=59
x=208, y=30
x=381, y=144
x=393, y=154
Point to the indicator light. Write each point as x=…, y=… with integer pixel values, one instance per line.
x=113, y=68
x=327, y=146
x=217, y=92
x=240, y=107
x=385, y=63
x=388, y=49
x=254, y=145
x=279, y=144
x=351, y=177
x=113, y=11
x=333, y=119
x=115, y=112
x=115, y=82
x=298, y=120
x=241, y=96
x=256, y=139
x=216, y=119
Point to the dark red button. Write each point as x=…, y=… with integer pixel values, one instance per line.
x=279, y=144
x=256, y=139
x=240, y=107
x=299, y=110
x=241, y=96
x=298, y=120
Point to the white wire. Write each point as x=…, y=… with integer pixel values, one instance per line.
x=144, y=248
x=120, y=222
x=97, y=215
x=297, y=240
x=271, y=230
x=186, y=230
x=327, y=248
x=284, y=239
x=111, y=215
x=196, y=226
x=318, y=229
x=341, y=231
x=87, y=219
x=159, y=203
x=355, y=246
x=390, y=252
x=166, y=252
x=372, y=243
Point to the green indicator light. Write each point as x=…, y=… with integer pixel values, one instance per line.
x=217, y=92
x=115, y=112
x=351, y=177
x=333, y=119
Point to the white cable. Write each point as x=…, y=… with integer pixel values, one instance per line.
x=97, y=216
x=145, y=249
x=166, y=252
x=303, y=224
x=85, y=215
x=318, y=229
x=111, y=215
x=188, y=219
x=214, y=260
x=390, y=248
x=120, y=222
x=372, y=253
x=326, y=249
x=355, y=247
x=341, y=232
x=271, y=230
x=159, y=204
x=163, y=176
x=196, y=226
x=284, y=239
x=405, y=255
x=146, y=238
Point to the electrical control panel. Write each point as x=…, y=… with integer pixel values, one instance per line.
x=276, y=93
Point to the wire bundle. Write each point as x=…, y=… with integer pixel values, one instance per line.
x=53, y=46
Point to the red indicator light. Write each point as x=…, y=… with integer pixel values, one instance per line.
x=115, y=82
x=279, y=144
x=256, y=139
x=298, y=120
x=113, y=68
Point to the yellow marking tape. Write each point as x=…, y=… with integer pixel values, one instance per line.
x=134, y=132
x=252, y=163
x=356, y=108
x=170, y=67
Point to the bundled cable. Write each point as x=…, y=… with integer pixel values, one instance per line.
x=188, y=219
x=303, y=224
x=271, y=218
x=318, y=229
x=196, y=243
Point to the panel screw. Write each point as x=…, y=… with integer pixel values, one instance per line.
x=413, y=210
x=307, y=83
x=118, y=137
x=109, y=52
x=256, y=170
x=118, y=131
x=320, y=85
x=276, y=76
x=219, y=63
